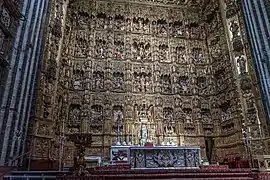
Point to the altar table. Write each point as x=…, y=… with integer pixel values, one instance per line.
x=158, y=157
x=161, y=157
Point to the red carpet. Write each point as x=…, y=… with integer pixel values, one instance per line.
x=125, y=172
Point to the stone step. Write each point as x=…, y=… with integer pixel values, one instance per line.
x=14, y=177
x=40, y=173
x=127, y=174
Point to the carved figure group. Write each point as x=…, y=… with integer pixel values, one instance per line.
x=160, y=61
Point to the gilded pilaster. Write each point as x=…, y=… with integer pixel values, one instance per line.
x=243, y=68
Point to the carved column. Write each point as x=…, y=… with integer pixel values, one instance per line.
x=241, y=63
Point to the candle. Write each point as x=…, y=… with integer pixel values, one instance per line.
x=132, y=134
x=127, y=134
x=128, y=129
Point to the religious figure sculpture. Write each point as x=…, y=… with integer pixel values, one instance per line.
x=99, y=80
x=118, y=81
x=74, y=115
x=181, y=57
x=234, y=28
x=241, y=61
x=145, y=122
x=144, y=134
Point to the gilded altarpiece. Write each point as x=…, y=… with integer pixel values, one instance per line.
x=124, y=66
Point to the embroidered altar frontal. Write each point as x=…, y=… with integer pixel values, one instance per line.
x=164, y=157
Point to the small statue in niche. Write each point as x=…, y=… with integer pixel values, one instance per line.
x=96, y=114
x=77, y=84
x=194, y=32
x=226, y=115
x=205, y=115
x=145, y=112
x=234, y=28
x=74, y=115
x=110, y=23
x=118, y=80
x=146, y=28
x=140, y=24
x=177, y=102
x=137, y=50
x=184, y=84
x=200, y=58
x=142, y=83
x=101, y=23
x=82, y=18
x=99, y=80
x=78, y=75
x=173, y=54
x=119, y=49
x=119, y=19
x=48, y=90
x=171, y=29
x=164, y=53
x=155, y=55
x=215, y=49
x=213, y=24
x=168, y=115
x=241, y=61
x=181, y=57
x=251, y=105
x=147, y=84
x=202, y=32
x=147, y=52
x=201, y=82
x=46, y=110
x=231, y=9
x=188, y=117
x=163, y=30
x=177, y=29
x=154, y=27
x=166, y=83
x=137, y=83
x=128, y=24
x=101, y=48
x=197, y=55
x=51, y=69
x=82, y=42
x=162, y=27
x=137, y=24
x=150, y=113
x=118, y=114
x=226, y=111
x=187, y=32
x=57, y=27
x=140, y=53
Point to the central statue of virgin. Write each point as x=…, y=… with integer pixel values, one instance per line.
x=146, y=124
